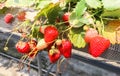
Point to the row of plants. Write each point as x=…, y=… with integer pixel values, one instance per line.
x=59, y=25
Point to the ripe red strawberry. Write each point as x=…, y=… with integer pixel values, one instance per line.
x=23, y=47
x=90, y=33
x=65, y=18
x=8, y=18
x=65, y=48
x=54, y=55
x=50, y=34
x=21, y=16
x=98, y=45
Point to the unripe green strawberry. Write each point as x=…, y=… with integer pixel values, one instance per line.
x=98, y=45
x=58, y=42
x=41, y=44
x=50, y=34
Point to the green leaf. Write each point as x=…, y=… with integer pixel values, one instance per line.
x=74, y=20
x=3, y=10
x=19, y=3
x=80, y=8
x=40, y=4
x=1, y=1
x=76, y=38
x=111, y=8
x=84, y=20
x=36, y=32
x=50, y=11
x=53, y=13
x=111, y=4
x=114, y=13
x=94, y=3
x=77, y=22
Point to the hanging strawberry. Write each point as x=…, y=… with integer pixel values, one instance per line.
x=54, y=55
x=98, y=45
x=65, y=48
x=21, y=16
x=65, y=18
x=23, y=47
x=50, y=34
x=90, y=33
x=8, y=18
x=58, y=42
x=41, y=44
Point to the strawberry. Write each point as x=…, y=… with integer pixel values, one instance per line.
x=58, y=42
x=90, y=33
x=98, y=45
x=21, y=16
x=50, y=34
x=65, y=48
x=42, y=29
x=65, y=18
x=54, y=55
x=41, y=44
x=8, y=18
x=23, y=47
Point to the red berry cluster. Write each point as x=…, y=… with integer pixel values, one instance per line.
x=9, y=17
x=56, y=47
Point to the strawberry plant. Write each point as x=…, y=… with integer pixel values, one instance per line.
x=89, y=22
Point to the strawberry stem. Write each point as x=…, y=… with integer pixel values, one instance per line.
x=8, y=41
